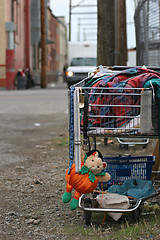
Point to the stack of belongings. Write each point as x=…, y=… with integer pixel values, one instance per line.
x=122, y=81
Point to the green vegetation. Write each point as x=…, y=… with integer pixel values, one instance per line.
x=148, y=227
x=60, y=142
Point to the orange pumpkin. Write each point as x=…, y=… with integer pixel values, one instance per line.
x=81, y=183
x=86, y=180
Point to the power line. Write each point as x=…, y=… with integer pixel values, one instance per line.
x=72, y=7
x=78, y=4
x=84, y=6
x=84, y=13
x=88, y=18
x=89, y=24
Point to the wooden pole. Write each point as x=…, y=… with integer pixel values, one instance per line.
x=70, y=7
x=111, y=34
x=43, y=45
x=28, y=34
x=105, y=33
x=122, y=59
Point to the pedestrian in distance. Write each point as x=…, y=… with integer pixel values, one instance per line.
x=20, y=80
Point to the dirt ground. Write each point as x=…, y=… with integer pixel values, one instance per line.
x=34, y=156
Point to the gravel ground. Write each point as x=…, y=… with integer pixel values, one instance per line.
x=34, y=156
x=32, y=177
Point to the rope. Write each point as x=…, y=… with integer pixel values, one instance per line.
x=101, y=206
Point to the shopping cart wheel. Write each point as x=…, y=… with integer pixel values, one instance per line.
x=123, y=146
x=87, y=217
x=105, y=141
x=136, y=214
x=87, y=214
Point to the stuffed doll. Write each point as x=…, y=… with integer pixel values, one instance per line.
x=87, y=179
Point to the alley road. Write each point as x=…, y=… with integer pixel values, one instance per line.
x=29, y=118
x=35, y=101
x=33, y=160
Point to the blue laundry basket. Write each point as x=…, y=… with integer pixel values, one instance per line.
x=122, y=168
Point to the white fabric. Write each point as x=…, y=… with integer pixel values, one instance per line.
x=113, y=201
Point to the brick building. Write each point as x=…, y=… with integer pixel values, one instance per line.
x=3, y=45
x=20, y=42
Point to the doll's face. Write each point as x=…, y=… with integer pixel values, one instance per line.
x=95, y=164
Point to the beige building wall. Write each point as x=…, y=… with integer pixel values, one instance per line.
x=2, y=42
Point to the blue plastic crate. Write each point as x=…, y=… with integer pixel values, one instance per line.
x=122, y=168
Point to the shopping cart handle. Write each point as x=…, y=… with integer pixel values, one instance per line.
x=138, y=203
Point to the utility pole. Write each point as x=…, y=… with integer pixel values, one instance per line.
x=43, y=45
x=111, y=35
x=70, y=8
x=116, y=32
x=28, y=33
x=79, y=26
x=105, y=33
x=123, y=56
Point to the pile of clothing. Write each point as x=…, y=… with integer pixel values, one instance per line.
x=118, y=83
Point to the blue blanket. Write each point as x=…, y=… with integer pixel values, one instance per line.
x=136, y=188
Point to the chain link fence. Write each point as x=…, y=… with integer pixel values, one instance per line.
x=147, y=24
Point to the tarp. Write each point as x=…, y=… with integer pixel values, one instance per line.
x=136, y=188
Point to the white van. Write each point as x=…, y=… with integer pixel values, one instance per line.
x=82, y=59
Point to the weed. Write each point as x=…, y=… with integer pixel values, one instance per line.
x=60, y=142
x=146, y=228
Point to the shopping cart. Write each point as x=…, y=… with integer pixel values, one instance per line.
x=124, y=143
x=99, y=108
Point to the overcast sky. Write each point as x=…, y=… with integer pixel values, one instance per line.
x=83, y=26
